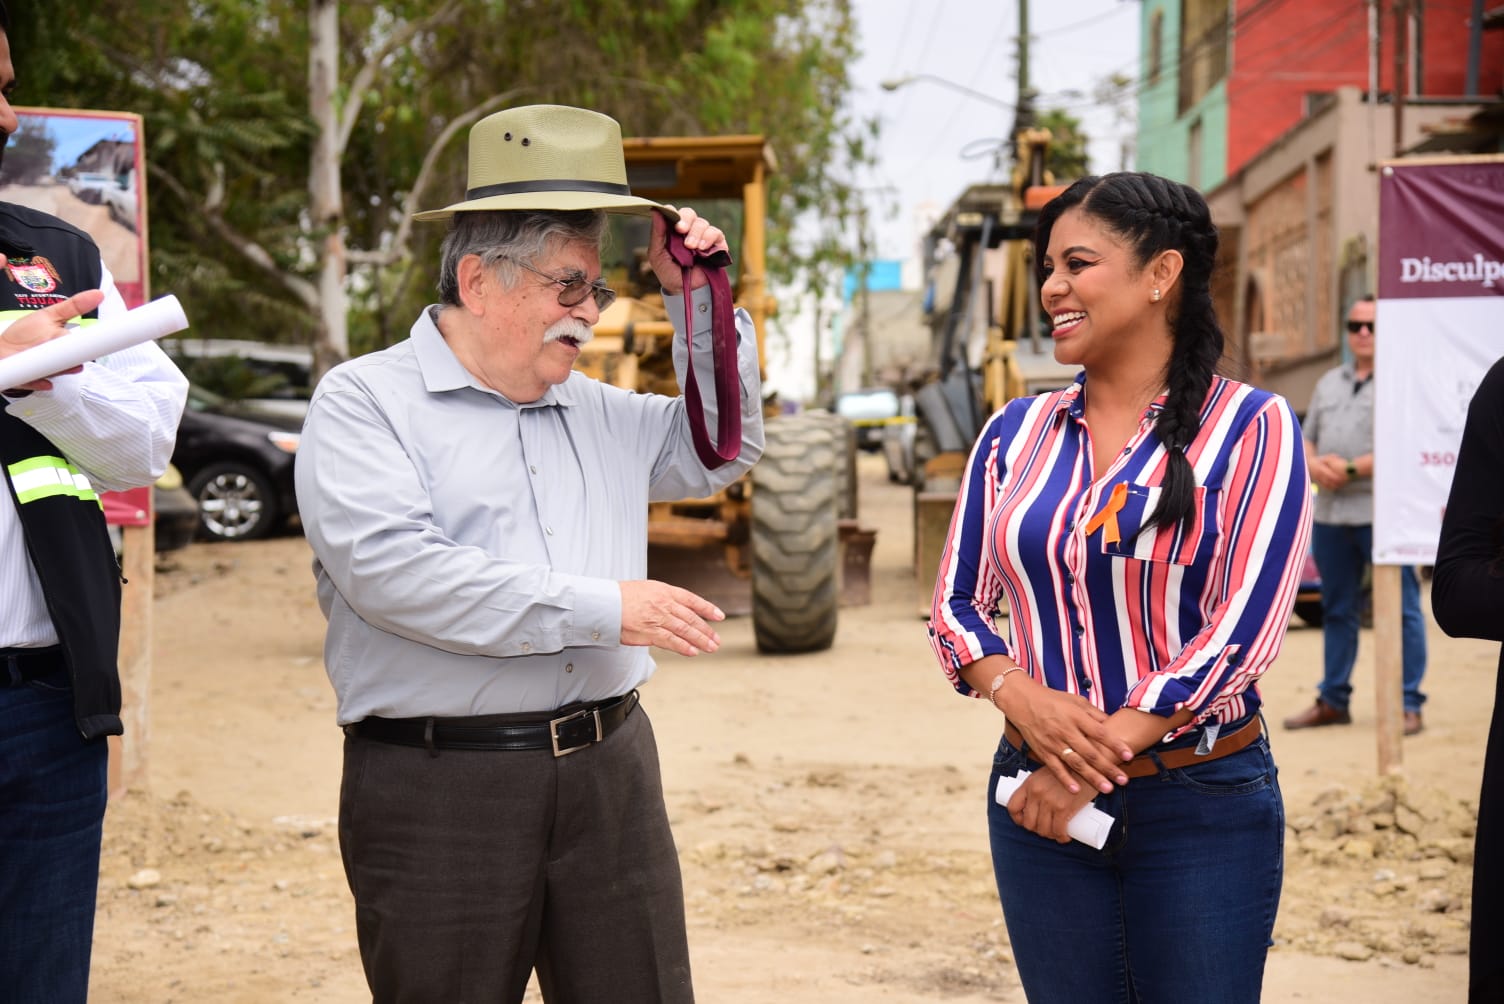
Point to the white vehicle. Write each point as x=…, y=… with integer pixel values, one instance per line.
x=90, y=186
x=121, y=200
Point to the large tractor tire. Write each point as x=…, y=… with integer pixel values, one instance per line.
x=795, y=536
x=846, y=481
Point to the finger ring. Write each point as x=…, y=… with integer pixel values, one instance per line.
x=1066, y=752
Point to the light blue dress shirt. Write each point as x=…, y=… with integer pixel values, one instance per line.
x=467, y=549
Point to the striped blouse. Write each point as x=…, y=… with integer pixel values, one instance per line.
x=1158, y=620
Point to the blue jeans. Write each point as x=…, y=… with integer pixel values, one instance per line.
x=52, y=798
x=1178, y=905
x=1342, y=555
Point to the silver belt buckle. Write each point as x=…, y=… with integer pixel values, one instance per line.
x=553, y=730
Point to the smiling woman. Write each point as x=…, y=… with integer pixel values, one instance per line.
x=1146, y=526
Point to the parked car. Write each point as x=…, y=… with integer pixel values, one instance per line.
x=269, y=377
x=870, y=411
x=1308, y=599
x=174, y=513
x=90, y=186
x=238, y=462
x=121, y=202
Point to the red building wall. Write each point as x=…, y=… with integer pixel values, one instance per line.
x=1284, y=50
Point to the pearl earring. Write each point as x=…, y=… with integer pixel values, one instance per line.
x=1156, y=296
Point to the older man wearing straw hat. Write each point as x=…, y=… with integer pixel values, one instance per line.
x=478, y=515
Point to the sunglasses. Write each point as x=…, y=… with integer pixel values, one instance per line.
x=575, y=287
x=1353, y=327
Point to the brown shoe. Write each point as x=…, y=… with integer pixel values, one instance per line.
x=1322, y=713
x=1413, y=724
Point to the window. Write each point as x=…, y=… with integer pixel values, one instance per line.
x=1156, y=45
x=1203, y=49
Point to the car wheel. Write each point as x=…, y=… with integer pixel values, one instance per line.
x=235, y=502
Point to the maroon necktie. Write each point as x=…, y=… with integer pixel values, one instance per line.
x=723, y=351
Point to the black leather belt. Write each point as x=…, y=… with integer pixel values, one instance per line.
x=572, y=728
x=17, y=665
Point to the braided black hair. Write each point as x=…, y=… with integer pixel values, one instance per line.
x=1153, y=214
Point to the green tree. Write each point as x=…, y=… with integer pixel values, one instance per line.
x=289, y=140
x=1067, y=159
x=28, y=155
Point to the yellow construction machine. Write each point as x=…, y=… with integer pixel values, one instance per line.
x=987, y=346
x=770, y=544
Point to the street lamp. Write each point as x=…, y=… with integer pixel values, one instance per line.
x=894, y=83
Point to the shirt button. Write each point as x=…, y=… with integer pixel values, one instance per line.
x=704, y=307
x=595, y=636
x=1080, y=631
x=527, y=647
x=532, y=468
x=1070, y=577
x=549, y=530
x=569, y=668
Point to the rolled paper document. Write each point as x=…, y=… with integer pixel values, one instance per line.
x=1090, y=826
x=150, y=320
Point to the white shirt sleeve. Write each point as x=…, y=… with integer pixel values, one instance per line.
x=117, y=418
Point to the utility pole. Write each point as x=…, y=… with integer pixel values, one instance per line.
x=864, y=323
x=1474, y=48
x=1023, y=114
x=1398, y=80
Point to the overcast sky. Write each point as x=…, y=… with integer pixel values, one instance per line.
x=928, y=126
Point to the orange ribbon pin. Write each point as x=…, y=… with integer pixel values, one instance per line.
x=1108, y=516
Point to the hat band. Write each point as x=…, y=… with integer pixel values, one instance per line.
x=547, y=185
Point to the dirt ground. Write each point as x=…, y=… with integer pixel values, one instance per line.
x=829, y=810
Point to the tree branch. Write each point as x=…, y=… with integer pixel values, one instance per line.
x=248, y=249
x=398, y=247
x=367, y=74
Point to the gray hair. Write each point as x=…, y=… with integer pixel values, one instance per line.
x=500, y=237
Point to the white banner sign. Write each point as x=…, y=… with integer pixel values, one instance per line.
x=1439, y=327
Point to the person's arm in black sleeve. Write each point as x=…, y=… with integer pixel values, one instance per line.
x=1467, y=594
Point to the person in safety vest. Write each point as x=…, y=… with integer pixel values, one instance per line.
x=107, y=425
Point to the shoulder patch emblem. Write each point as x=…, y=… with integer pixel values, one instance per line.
x=34, y=273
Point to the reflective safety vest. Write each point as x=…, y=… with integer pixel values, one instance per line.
x=62, y=522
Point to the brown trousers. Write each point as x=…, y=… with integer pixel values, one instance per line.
x=470, y=869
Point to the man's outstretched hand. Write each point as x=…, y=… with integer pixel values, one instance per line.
x=667, y=617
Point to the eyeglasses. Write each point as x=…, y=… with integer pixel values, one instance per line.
x=1353, y=327
x=574, y=287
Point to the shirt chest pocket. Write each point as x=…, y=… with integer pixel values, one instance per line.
x=1178, y=544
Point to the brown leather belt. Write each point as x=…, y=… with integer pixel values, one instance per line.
x=1184, y=756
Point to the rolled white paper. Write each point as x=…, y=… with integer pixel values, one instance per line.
x=150, y=320
x=1090, y=826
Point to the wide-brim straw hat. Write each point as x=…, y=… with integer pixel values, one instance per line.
x=549, y=157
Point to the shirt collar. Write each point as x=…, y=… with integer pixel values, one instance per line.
x=1071, y=401
x=1350, y=374
x=442, y=371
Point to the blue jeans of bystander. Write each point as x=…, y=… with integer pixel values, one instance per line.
x=1180, y=901
x=52, y=800
x=1342, y=556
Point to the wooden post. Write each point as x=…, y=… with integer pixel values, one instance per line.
x=128, y=753
x=1388, y=676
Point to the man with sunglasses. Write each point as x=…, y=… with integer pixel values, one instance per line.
x=1338, y=430
x=478, y=515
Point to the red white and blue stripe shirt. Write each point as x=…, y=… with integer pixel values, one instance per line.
x=1186, y=617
